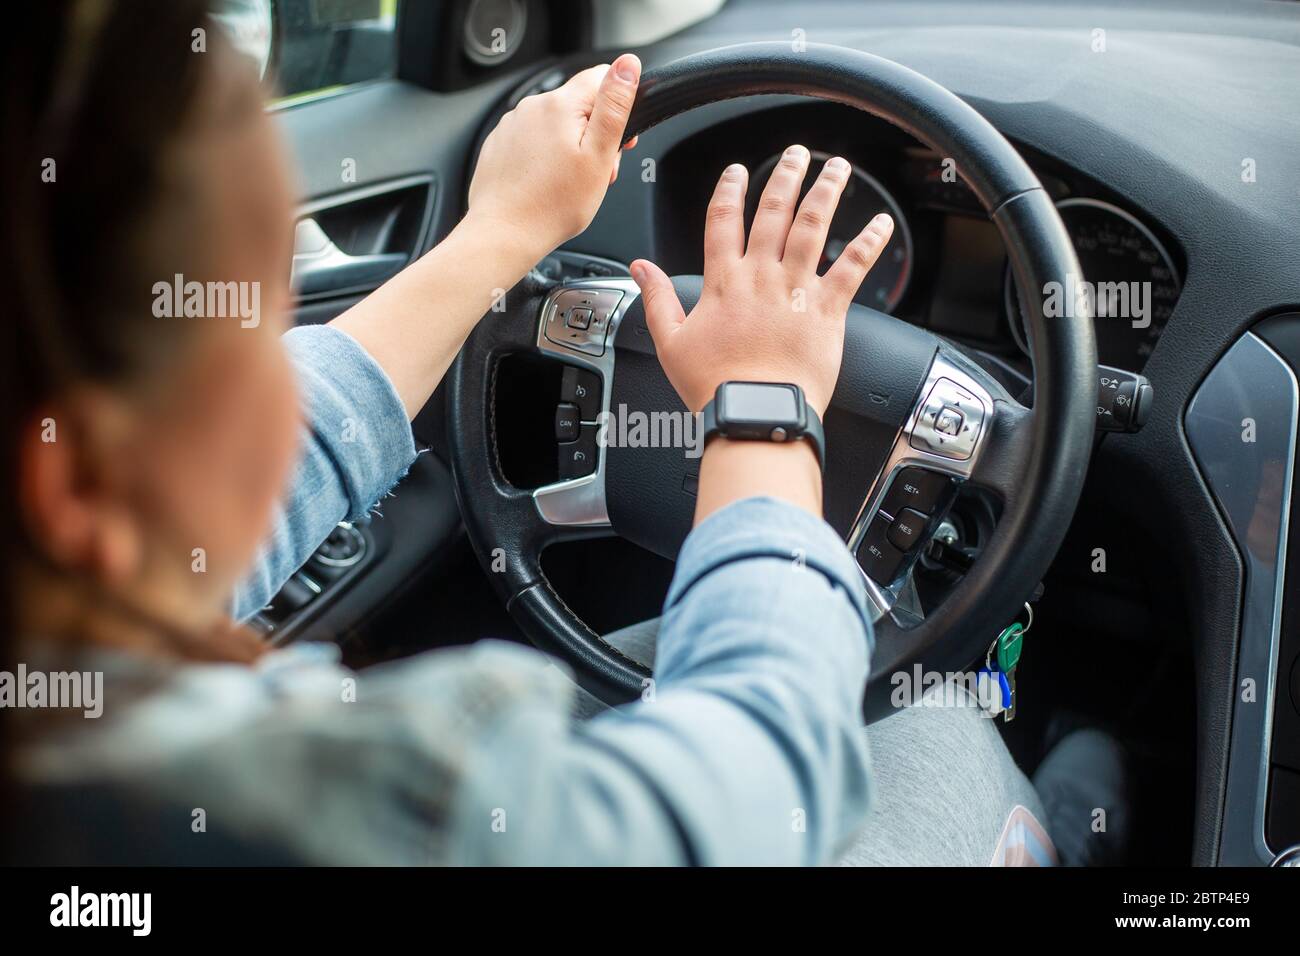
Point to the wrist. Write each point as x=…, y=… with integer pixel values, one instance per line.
x=731, y=470
x=763, y=411
x=510, y=244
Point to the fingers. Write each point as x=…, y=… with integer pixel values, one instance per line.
x=724, y=223
x=613, y=103
x=807, y=239
x=776, y=207
x=663, y=310
x=846, y=275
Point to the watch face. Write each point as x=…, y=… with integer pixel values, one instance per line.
x=760, y=403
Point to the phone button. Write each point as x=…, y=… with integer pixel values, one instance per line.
x=577, y=459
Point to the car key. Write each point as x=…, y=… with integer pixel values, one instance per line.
x=1008, y=646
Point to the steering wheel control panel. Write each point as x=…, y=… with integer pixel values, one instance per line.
x=950, y=421
x=579, y=319
x=914, y=501
x=575, y=422
x=577, y=322
x=933, y=454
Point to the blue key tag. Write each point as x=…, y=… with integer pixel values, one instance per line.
x=993, y=690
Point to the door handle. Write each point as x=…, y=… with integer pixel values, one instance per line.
x=320, y=266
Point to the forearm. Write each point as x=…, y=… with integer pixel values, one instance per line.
x=754, y=733
x=748, y=748
x=356, y=445
x=734, y=470
x=415, y=323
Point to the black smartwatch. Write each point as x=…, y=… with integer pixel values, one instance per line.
x=763, y=411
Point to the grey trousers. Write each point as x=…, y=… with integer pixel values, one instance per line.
x=947, y=791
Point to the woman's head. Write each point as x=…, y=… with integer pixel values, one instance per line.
x=153, y=411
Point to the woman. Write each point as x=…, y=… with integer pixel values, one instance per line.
x=152, y=454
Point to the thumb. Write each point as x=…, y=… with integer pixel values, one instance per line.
x=604, y=134
x=663, y=310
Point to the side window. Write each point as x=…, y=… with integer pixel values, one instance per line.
x=310, y=47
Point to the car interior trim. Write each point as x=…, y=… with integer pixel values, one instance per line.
x=1250, y=383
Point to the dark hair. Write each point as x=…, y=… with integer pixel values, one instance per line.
x=98, y=91
x=96, y=94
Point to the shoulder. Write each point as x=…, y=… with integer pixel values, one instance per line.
x=287, y=756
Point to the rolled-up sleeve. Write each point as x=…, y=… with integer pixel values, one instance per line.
x=357, y=444
x=747, y=748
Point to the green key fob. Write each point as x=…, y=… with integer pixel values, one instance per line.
x=1010, y=643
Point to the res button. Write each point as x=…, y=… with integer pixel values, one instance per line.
x=908, y=529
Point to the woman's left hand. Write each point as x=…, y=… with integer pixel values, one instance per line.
x=544, y=170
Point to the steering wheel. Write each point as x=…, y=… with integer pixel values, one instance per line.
x=911, y=418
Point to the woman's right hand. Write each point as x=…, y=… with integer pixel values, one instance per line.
x=765, y=315
x=544, y=170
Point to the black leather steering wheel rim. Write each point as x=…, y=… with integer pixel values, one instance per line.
x=1040, y=457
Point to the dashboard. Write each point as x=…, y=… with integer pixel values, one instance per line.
x=945, y=267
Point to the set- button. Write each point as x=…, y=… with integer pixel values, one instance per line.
x=878, y=557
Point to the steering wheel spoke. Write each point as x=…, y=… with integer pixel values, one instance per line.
x=939, y=448
x=576, y=326
x=1007, y=445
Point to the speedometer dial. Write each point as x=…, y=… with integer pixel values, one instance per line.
x=862, y=199
x=1129, y=280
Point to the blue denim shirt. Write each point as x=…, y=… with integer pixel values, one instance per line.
x=357, y=445
x=747, y=748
